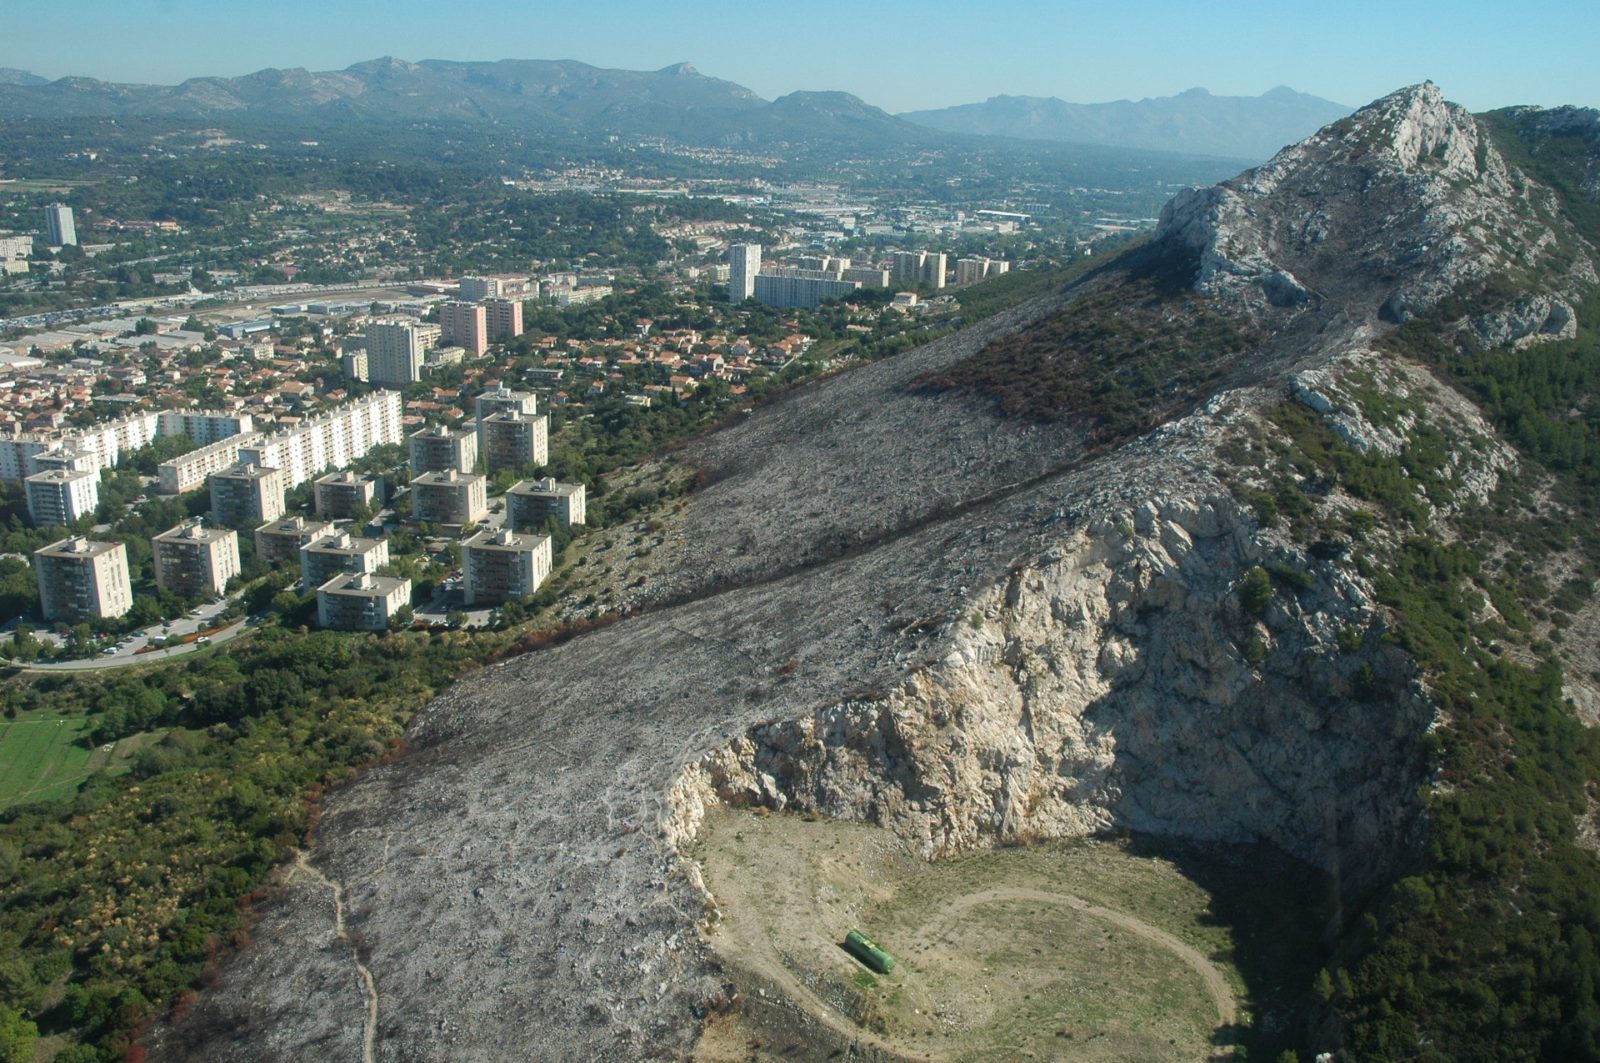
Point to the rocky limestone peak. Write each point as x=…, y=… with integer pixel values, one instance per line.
x=1383, y=215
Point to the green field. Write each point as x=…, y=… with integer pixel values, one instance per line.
x=41, y=758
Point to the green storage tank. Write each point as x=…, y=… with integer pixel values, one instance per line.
x=864, y=949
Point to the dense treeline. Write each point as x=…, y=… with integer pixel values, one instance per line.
x=1489, y=948
x=115, y=901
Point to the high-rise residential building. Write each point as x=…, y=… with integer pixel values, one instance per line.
x=867, y=276
x=279, y=541
x=193, y=560
x=503, y=319
x=532, y=502
x=353, y=365
x=59, y=225
x=477, y=289
x=246, y=495
x=325, y=557
x=441, y=447
x=395, y=353
x=934, y=268
x=907, y=266
x=503, y=398
x=340, y=495
x=360, y=601
x=80, y=579
x=509, y=440
x=57, y=497
x=465, y=325
x=972, y=270
x=503, y=566
x=449, y=497
x=744, y=262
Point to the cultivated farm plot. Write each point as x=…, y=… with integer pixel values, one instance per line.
x=41, y=758
x=1081, y=950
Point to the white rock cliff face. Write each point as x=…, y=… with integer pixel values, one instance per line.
x=1116, y=682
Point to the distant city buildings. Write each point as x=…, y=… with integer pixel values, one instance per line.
x=920, y=267
x=798, y=288
x=59, y=225
x=531, y=503
x=360, y=601
x=744, y=263
x=973, y=270
x=80, y=579
x=246, y=495
x=503, y=566
x=192, y=560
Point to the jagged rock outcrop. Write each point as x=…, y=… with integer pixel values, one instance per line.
x=1387, y=213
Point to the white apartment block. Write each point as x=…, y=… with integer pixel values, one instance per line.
x=205, y=426
x=330, y=441
x=503, y=398
x=503, y=566
x=395, y=352
x=107, y=441
x=744, y=262
x=80, y=579
x=477, y=289
x=193, y=560
x=57, y=497
x=188, y=472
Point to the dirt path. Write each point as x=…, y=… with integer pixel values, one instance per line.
x=1216, y=985
x=759, y=958
x=369, y=1041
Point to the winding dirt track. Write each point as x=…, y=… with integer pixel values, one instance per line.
x=762, y=961
x=369, y=1041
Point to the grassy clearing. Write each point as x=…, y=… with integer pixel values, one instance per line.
x=44, y=758
x=1083, y=949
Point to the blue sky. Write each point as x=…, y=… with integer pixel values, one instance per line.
x=899, y=56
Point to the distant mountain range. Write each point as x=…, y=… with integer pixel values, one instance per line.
x=1192, y=122
x=677, y=102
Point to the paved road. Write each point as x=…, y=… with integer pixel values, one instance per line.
x=122, y=660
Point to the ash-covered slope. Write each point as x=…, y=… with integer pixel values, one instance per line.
x=900, y=603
